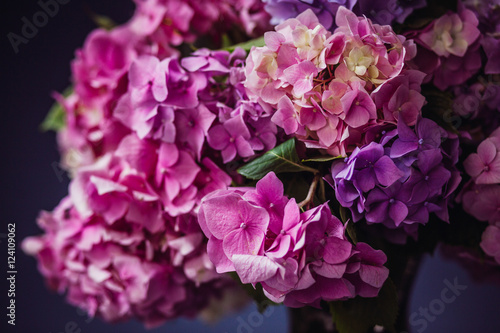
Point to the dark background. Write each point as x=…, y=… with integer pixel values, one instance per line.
x=31, y=181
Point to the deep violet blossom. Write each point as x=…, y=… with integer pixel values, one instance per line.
x=299, y=258
x=381, y=12
x=417, y=176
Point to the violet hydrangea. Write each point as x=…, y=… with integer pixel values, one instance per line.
x=299, y=258
x=401, y=180
x=381, y=12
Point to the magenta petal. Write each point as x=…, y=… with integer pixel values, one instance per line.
x=280, y=247
x=186, y=170
x=336, y=250
x=400, y=147
x=487, y=151
x=217, y=256
x=378, y=213
x=168, y=155
x=335, y=289
x=104, y=186
x=274, y=40
x=222, y=214
x=374, y=275
x=239, y=241
x=253, y=269
x=141, y=70
x=243, y=147
x=474, y=165
x=229, y=153
x=255, y=218
x=271, y=187
x=218, y=137
x=331, y=271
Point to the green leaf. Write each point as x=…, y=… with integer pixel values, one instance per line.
x=283, y=158
x=360, y=315
x=247, y=45
x=56, y=118
x=322, y=159
x=104, y=22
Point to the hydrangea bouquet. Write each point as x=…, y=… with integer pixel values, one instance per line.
x=311, y=150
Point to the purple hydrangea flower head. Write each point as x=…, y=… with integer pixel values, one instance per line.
x=325, y=10
x=387, y=12
x=399, y=181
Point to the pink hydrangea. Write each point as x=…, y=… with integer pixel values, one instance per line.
x=491, y=242
x=481, y=201
x=126, y=242
x=100, y=67
x=452, y=33
x=450, y=51
x=100, y=78
x=484, y=166
x=243, y=127
x=299, y=258
x=323, y=84
x=157, y=91
x=144, y=265
x=165, y=24
x=88, y=133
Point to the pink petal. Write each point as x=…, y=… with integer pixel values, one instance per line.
x=239, y=241
x=253, y=269
x=219, y=259
x=222, y=214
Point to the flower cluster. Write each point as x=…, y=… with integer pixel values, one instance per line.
x=143, y=264
x=324, y=85
x=450, y=52
x=153, y=133
x=400, y=180
x=100, y=68
x=480, y=196
x=242, y=127
x=165, y=24
x=299, y=259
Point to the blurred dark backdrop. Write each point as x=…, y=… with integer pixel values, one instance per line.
x=31, y=181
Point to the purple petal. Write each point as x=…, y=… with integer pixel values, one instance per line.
x=386, y=171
